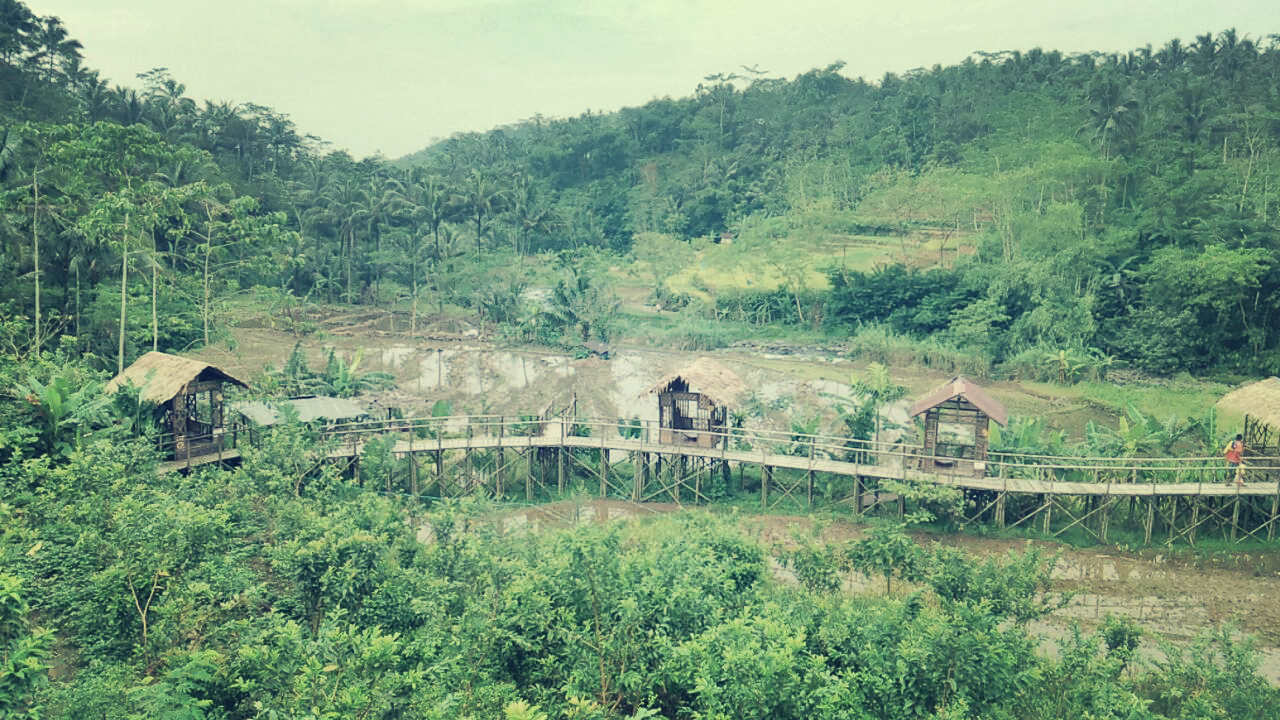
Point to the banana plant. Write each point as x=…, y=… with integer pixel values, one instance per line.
x=345, y=379
x=67, y=411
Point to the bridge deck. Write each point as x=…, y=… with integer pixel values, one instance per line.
x=892, y=469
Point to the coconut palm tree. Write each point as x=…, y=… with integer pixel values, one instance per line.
x=16, y=25
x=53, y=46
x=343, y=199
x=431, y=203
x=479, y=198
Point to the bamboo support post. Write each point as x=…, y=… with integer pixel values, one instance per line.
x=1275, y=507
x=604, y=471
x=766, y=474
x=1235, y=514
x=1151, y=517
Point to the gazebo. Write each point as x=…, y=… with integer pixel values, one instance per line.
x=957, y=419
x=1259, y=402
x=187, y=395
x=693, y=404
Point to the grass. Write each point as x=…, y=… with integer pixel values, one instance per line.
x=1182, y=397
x=691, y=331
x=758, y=260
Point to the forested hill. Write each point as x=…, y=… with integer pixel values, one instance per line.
x=1114, y=206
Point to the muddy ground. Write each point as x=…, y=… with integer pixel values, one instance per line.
x=479, y=377
x=1176, y=598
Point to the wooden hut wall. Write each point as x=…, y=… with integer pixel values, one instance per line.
x=193, y=435
x=1260, y=437
x=960, y=413
x=684, y=428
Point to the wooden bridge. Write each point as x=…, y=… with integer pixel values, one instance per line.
x=536, y=458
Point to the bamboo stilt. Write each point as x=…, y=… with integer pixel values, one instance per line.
x=1151, y=518
x=1235, y=515
x=1275, y=507
x=637, y=479
x=766, y=474
x=604, y=473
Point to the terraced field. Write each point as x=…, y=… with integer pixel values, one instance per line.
x=766, y=263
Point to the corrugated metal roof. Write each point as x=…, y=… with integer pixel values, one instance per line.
x=309, y=410
x=161, y=376
x=960, y=387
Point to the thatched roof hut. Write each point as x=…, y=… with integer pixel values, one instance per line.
x=1260, y=404
x=706, y=377
x=161, y=376
x=1260, y=400
x=188, y=399
x=693, y=403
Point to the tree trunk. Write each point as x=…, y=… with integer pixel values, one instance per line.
x=205, y=314
x=155, y=318
x=351, y=241
x=35, y=242
x=124, y=283
x=77, y=298
x=413, y=323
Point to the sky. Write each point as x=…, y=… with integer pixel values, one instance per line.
x=392, y=76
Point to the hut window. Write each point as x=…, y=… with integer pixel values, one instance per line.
x=953, y=433
x=689, y=408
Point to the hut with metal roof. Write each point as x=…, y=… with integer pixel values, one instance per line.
x=188, y=396
x=957, y=422
x=693, y=404
x=1259, y=402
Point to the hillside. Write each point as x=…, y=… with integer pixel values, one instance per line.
x=1118, y=208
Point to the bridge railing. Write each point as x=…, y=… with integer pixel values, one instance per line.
x=818, y=446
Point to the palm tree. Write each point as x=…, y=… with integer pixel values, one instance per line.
x=18, y=23
x=1172, y=55
x=343, y=199
x=53, y=45
x=1113, y=114
x=480, y=198
x=529, y=213
x=381, y=199
x=431, y=206
x=129, y=107
x=95, y=98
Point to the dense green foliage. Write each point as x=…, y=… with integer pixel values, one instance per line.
x=1120, y=206
x=280, y=589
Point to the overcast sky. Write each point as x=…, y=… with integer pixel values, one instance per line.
x=390, y=76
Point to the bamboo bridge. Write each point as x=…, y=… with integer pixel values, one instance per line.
x=537, y=458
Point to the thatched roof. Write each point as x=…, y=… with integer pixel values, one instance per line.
x=708, y=377
x=161, y=376
x=308, y=409
x=964, y=389
x=1260, y=399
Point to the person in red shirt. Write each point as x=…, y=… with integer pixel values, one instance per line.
x=1234, y=452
